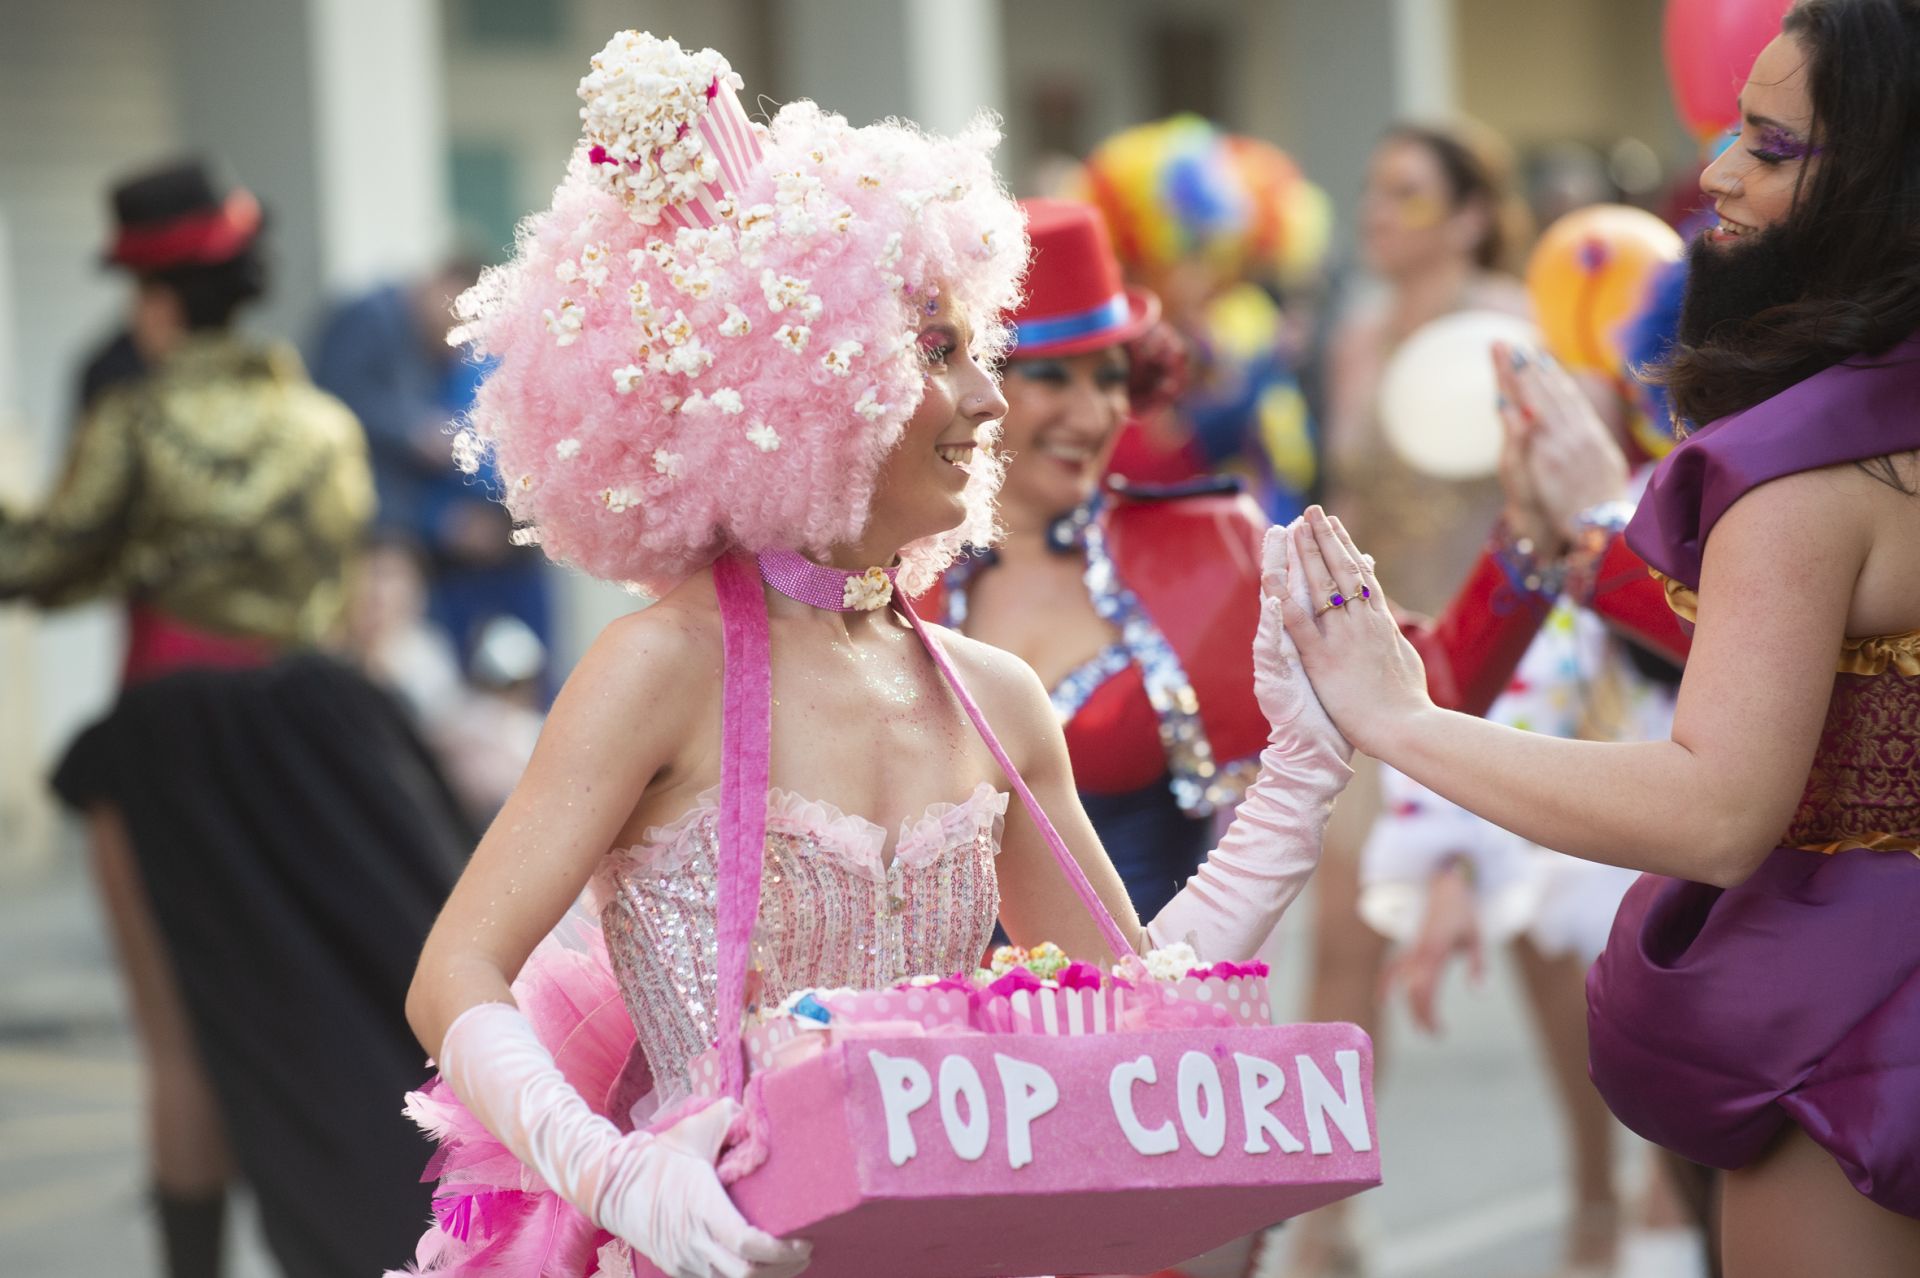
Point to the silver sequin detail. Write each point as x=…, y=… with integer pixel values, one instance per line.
x=1201, y=785
x=1070, y=695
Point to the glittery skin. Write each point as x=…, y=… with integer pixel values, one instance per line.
x=833, y=912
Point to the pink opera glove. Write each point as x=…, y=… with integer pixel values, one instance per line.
x=657, y=1192
x=1227, y=909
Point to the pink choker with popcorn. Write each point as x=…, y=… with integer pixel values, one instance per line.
x=832, y=589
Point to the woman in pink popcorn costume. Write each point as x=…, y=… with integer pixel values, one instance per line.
x=735, y=358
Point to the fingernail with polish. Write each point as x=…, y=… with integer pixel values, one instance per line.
x=1519, y=358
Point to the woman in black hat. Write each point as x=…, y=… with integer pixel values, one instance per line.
x=270, y=840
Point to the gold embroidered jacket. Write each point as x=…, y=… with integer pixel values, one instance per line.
x=226, y=491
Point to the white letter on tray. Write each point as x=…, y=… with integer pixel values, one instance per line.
x=1320, y=1101
x=958, y=1077
x=1030, y=1092
x=905, y=1086
x=1261, y=1084
x=1207, y=1131
x=1160, y=1140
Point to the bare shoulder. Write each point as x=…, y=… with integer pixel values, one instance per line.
x=1821, y=512
x=662, y=661
x=1784, y=558
x=980, y=661
x=1008, y=691
x=683, y=623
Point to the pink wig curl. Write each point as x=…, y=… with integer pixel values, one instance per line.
x=666, y=393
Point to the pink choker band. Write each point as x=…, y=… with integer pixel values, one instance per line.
x=832, y=589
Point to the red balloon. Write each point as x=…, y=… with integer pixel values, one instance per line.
x=1711, y=45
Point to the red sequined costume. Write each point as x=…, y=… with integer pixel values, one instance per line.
x=1162, y=726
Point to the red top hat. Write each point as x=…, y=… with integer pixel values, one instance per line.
x=1075, y=301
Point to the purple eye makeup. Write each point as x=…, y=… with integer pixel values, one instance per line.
x=1777, y=145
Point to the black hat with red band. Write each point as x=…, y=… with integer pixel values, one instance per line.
x=180, y=216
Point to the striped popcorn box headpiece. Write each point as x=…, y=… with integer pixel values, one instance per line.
x=665, y=130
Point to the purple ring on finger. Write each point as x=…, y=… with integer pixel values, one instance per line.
x=1366, y=592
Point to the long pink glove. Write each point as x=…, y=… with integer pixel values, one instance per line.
x=659, y=1193
x=1228, y=907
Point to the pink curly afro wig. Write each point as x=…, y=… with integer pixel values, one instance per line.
x=667, y=391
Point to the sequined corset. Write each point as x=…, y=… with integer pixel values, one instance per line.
x=833, y=911
x=1864, y=790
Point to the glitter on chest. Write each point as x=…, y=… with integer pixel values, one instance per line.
x=830, y=915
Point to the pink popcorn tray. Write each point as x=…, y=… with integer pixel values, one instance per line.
x=919, y=1153
x=955, y=1156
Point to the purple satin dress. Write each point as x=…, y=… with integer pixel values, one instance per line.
x=1719, y=1016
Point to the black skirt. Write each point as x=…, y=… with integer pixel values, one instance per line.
x=296, y=841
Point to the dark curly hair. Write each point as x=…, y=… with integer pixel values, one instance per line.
x=1855, y=218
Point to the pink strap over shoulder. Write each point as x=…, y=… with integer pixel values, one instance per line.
x=746, y=742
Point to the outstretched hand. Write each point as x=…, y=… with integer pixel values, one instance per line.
x=1363, y=670
x=1558, y=457
x=1294, y=714
x=1449, y=929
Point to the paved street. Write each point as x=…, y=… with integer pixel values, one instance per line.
x=1471, y=1146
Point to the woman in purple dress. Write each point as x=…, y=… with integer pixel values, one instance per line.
x=1758, y=1006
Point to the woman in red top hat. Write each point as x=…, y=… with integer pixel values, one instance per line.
x=1136, y=604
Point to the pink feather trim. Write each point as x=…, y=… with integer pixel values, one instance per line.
x=493, y=1218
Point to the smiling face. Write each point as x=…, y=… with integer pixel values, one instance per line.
x=1063, y=417
x=918, y=492
x=1754, y=182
